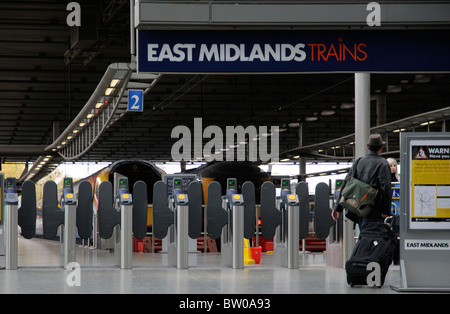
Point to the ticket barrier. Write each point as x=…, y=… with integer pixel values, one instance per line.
x=184, y=211
x=127, y=211
x=68, y=214
x=232, y=218
x=286, y=218
x=280, y=220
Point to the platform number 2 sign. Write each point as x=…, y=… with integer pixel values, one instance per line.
x=135, y=100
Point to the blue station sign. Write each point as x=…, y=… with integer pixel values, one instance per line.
x=276, y=51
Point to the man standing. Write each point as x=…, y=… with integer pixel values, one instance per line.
x=373, y=170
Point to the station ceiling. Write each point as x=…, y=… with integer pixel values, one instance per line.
x=44, y=84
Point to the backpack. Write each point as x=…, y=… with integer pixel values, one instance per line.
x=357, y=196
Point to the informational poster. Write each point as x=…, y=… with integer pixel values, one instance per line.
x=430, y=184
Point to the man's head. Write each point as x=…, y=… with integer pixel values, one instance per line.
x=375, y=143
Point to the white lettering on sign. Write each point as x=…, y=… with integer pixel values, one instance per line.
x=226, y=52
x=427, y=244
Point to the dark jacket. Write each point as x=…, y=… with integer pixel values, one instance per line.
x=373, y=170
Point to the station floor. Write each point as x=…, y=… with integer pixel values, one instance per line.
x=40, y=271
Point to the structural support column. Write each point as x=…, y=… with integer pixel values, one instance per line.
x=362, y=130
x=362, y=113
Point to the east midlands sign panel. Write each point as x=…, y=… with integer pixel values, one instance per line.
x=284, y=51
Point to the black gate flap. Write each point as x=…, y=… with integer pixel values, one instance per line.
x=84, y=210
x=322, y=212
x=108, y=216
x=52, y=215
x=195, y=209
x=270, y=215
x=217, y=216
x=27, y=212
x=140, y=210
x=303, y=198
x=248, y=193
x=163, y=217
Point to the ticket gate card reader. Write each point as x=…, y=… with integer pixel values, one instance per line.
x=124, y=196
x=68, y=194
x=11, y=196
x=11, y=230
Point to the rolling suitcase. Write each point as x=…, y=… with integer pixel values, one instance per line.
x=377, y=244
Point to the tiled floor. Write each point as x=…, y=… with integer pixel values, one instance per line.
x=40, y=271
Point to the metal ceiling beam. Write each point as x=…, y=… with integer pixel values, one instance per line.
x=291, y=14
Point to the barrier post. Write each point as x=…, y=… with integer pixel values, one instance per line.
x=126, y=238
x=11, y=230
x=238, y=231
x=292, y=232
x=238, y=236
x=182, y=230
x=69, y=234
x=12, y=202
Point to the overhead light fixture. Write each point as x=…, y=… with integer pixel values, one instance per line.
x=311, y=119
x=347, y=105
x=109, y=91
x=392, y=89
x=296, y=157
x=421, y=78
x=98, y=105
x=286, y=159
x=90, y=115
x=114, y=82
x=328, y=112
x=428, y=122
x=399, y=130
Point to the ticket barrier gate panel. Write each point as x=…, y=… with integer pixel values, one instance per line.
x=128, y=214
x=231, y=217
x=84, y=210
x=140, y=211
x=217, y=217
x=322, y=212
x=27, y=211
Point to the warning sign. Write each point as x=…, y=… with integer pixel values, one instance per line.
x=430, y=186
